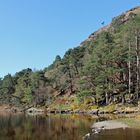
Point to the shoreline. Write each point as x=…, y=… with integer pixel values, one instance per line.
x=100, y=111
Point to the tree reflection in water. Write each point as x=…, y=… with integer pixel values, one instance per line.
x=55, y=127
x=58, y=127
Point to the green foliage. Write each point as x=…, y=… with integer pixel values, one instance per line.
x=98, y=69
x=83, y=94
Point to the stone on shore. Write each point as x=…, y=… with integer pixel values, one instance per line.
x=35, y=111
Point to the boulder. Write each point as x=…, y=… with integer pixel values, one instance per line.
x=34, y=111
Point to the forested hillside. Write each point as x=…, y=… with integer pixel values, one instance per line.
x=102, y=70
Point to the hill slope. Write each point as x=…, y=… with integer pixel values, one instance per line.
x=104, y=69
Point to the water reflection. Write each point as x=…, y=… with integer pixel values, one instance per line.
x=118, y=134
x=66, y=127
x=58, y=127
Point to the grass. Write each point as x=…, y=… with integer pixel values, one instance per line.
x=109, y=108
x=132, y=122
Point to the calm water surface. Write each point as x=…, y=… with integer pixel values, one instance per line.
x=118, y=134
x=57, y=127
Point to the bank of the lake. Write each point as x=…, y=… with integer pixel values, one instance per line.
x=110, y=109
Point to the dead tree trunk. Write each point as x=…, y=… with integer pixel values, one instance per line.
x=129, y=67
x=137, y=67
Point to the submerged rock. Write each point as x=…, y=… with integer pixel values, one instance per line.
x=87, y=136
x=109, y=125
x=98, y=127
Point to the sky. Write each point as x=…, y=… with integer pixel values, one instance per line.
x=33, y=32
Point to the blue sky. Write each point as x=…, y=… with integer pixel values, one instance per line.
x=33, y=32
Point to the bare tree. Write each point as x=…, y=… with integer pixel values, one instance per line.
x=137, y=60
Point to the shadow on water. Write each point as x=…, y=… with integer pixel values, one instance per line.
x=57, y=127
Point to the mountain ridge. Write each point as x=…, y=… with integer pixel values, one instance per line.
x=127, y=14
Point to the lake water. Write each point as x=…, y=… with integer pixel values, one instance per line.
x=118, y=134
x=57, y=127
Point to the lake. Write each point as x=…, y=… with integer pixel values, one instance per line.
x=57, y=127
